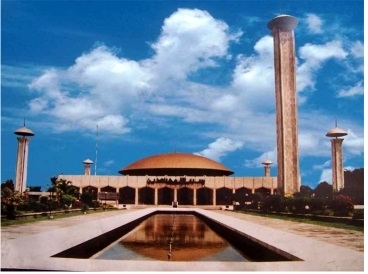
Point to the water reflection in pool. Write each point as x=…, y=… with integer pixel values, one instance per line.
x=174, y=237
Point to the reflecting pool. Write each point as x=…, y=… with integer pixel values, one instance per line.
x=174, y=237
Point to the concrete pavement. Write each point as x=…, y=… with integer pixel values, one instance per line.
x=31, y=246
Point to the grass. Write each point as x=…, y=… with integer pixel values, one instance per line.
x=306, y=220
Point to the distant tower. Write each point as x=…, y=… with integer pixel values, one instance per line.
x=288, y=178
x=87, y=166
x=22, y=157
x=267, y=167
x=336, y=157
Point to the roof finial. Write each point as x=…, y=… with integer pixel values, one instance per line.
x=335, y=121
x=24, y=121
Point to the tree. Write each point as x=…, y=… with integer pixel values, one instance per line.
x=342, y=205
x=35, y=188
x=62, y=187
x=323, y=190
x=306, y=191
x=354, y=185
x=10, y=200
x=9, y=184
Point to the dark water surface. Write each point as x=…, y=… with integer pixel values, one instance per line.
x=174, y=237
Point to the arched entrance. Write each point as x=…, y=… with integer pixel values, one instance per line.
x=264, y=192
x=185, y=196
x=224, y=196
x=204, y=196
x=91, y=190
x=108, y=189
x=165, y=196
x=126, y=195
x=146, y=196
x=242, y=195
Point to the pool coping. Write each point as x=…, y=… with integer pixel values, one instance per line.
x=35, y=251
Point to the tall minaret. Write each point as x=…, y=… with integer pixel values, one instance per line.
x=22, y=158
x=288, y=179
x=336, y=158
x=87, y=166
x=267, y=167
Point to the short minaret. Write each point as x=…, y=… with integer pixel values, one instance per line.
x=288, y=178
x=22, y=158
x=87, y=166
x=336, y=158
x=267, y=167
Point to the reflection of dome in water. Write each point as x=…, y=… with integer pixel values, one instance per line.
x=176, y=164
x=192, y=239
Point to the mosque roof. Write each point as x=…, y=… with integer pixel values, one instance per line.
x=176, y=164
x=336, y=132
x=23, y=131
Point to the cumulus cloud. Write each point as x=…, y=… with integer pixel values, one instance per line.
x=314, y=23
x=357, y=49
x=323, y=165
x=326, y=176
x=358, y=89
x=219, y=148
x=256, y=162
x=255, y=94
x=190, y=40
x=106, y=89
x=314, y=56
x=354, y=143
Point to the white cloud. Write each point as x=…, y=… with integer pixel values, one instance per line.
x=358, y=89
x=314, y=23
x=256, y=162
x=220, y=148
x=190, y=40
x=326, y=176
x=357, y=49
x=102, y=87
x=353, y=143
x=323, y=165
x=253, y=93
x=314, y=56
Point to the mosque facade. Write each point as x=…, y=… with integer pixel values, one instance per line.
x=172, y=179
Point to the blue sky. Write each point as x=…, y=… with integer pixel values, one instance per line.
x=164, y=76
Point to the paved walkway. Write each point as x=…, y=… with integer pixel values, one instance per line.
x=32, y=246
x=343, y=237
x=346, y=238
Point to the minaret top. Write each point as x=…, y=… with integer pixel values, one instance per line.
x=267, y=162
x=283, y=21
x=88, y=162
x=336, y=132
x=23, y=131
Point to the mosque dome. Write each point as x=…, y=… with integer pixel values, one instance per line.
x=176, y=164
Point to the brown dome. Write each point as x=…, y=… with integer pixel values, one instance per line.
x=176, y=164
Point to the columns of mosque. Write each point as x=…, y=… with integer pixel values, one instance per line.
x=136, y=198
x=194, y=196
x=175, y=194
x=156, y=196
x=214, y=196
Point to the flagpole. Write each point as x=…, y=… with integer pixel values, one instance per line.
x=96, y=150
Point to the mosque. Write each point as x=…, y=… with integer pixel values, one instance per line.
x=172, y=178
x=188, y=179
